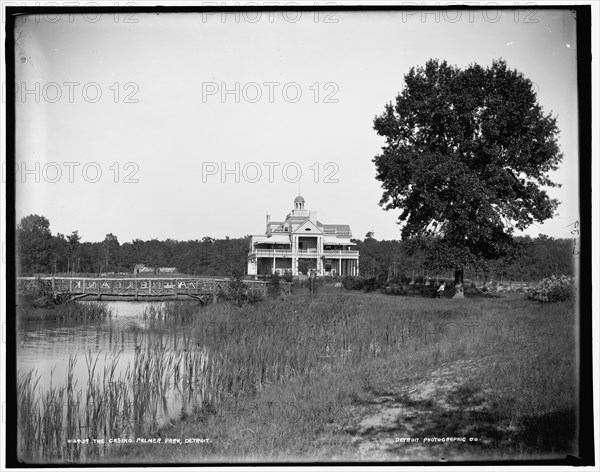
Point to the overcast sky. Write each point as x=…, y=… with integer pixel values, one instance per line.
x=124, y=123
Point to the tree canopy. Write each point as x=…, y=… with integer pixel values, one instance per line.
x=466, y=157
x=393, y=260
x=35, y=242
x=39, y=252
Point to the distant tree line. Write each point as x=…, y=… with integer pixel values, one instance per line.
x=536, y=259
x=41, y=252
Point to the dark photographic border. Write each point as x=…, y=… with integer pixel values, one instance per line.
x=584, y=85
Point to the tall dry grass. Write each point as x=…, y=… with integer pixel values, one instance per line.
x=229, y=354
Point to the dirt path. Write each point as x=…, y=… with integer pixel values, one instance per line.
x=403, y=424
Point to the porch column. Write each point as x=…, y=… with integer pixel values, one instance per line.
x=294, y=249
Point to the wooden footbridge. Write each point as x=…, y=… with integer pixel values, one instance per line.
x=142, y=289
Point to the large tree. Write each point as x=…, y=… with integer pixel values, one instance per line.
x=110, y=253
x=466, y=158
x=34, y=242
x=73, y=241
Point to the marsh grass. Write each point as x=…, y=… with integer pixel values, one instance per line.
x=71, y=311
x=171, y=311
x=268, y=381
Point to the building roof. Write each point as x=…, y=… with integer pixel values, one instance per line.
x=337, y=241
x=306, y=225
x=299, y=217
x=275, y=239
x=337, y=229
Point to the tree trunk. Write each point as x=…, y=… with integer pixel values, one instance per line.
x=458, y=282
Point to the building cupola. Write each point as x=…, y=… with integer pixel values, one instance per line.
x=298, y=203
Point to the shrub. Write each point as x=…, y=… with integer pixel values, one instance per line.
x=405, y=279
x=395, y=289
x=353, y=282
x=237, y=290
x=274, y=286
x=373, y=283
x=39, y=294
x=254, y=297
x=553, y=289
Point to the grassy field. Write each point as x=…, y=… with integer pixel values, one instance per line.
x=498, y=372
x=350, y=376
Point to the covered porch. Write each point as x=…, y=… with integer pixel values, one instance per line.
x=341, y=267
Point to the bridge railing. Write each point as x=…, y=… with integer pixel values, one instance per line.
x=139, y=286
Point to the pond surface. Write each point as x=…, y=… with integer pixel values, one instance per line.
x=46, y=346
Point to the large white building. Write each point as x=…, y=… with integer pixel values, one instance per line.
x=301, y=245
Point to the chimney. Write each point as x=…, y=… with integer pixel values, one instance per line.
x=312, y=216
x=268, y=222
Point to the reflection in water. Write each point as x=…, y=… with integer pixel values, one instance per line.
x=46, y=346
x=99, y=380
x=125, y=376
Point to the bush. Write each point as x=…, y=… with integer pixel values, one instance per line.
x=553, y=289
x=373, y=283
x=353, y=282
x=254, y=297
x=274, y=286
x=395, y=289
x=237, y=290
x=404, y=279
x=39, y=294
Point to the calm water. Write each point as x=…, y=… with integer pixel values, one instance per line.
x=47, y=345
